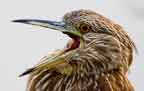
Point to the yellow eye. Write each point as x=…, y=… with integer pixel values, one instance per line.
x=84, y=28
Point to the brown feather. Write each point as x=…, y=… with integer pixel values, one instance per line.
x=100, y=66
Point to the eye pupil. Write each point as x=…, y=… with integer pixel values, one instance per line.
x=84, y=28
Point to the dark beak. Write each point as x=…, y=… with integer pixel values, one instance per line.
x=60, y=26
x=43, y=23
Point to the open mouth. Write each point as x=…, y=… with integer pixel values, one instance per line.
x=73, y=44
x=60, y=26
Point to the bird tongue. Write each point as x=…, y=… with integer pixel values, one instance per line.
x=73, y=44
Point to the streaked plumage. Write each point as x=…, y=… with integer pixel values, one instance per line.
x=99, y=63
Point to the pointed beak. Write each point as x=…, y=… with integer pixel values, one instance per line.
x=60, y=26
x=43, y=23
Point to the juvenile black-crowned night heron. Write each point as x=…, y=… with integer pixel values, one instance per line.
x=96, y=59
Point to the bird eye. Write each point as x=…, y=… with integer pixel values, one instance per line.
x=84, y=28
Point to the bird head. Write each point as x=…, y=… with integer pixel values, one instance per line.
x=78, y=25
x=92, y=31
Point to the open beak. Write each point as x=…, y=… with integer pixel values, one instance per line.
x=60, y=26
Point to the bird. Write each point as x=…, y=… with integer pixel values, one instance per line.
x=97, y=57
